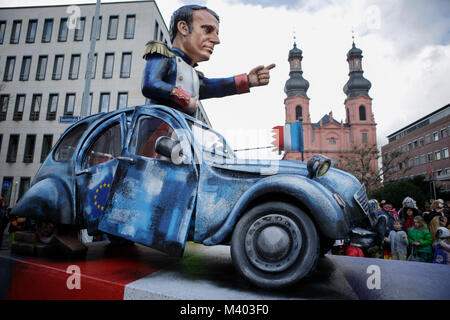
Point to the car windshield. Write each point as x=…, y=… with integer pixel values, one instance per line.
x=211, y=142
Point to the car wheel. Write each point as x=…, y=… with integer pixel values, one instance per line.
x=274, y=245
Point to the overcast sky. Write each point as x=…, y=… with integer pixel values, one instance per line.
x=406, y=57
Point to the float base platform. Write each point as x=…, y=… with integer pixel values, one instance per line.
x=207, y=273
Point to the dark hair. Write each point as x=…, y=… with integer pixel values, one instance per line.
x=185, y=13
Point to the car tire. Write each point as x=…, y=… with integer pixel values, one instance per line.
x=275, y=245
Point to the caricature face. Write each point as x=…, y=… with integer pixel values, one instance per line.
x=199, y=44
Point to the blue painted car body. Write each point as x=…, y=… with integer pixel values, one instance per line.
x=162, y=203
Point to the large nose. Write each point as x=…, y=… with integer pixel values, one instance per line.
x=215, y=38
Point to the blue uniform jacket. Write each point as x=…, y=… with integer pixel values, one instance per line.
x=160, y=77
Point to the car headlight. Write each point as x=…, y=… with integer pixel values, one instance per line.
x=318, y=165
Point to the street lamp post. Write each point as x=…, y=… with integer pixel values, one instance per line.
x=87, y=80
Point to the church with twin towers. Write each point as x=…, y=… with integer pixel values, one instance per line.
x=328, y=136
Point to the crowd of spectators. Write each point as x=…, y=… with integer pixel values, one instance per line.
x=411, y=234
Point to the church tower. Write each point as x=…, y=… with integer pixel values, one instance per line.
x=358, y=104
x=297, y=101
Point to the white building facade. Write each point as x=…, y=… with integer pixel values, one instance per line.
x=43, y=59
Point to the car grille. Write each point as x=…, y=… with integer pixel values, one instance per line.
x=361, y=198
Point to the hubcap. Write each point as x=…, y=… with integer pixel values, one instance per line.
x=273, y=243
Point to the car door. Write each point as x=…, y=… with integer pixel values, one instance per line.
x=95, y=168
x=152, y=198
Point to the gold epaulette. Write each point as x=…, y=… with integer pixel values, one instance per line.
x=157, y=47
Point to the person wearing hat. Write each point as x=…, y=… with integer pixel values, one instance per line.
x=4, y=219
x=388, y=211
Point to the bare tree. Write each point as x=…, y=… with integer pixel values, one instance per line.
x=362, y=162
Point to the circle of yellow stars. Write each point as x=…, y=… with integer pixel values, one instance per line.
x=99, y=189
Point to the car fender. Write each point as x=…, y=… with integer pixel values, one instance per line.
x=322, y=207
x=48, y=200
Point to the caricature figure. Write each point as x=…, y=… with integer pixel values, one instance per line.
x=169, y=75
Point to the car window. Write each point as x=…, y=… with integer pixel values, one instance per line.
x=148, y=130
x=106, y=147
x=67, y=146
x=211, y=141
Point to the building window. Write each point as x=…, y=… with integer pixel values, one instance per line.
x=25, y=70
x=74, y=66
x=416, y=161
x=47, y=31
x=63, y=30
x=435, y=136
x=35, y=107
x=2, y=31
x=108, y=66
x=404, y=148
x=46, y=146
x=31, y=32
x=421, y=142
x=99, y=28
x=439, y=172
x=58, y=67
x=437, y=155
x=298, y=113
x=125, y=68
x=445, y=153
x=161, y=35
x=29, y=148
x=155, y=34
x=15, y=31
x=12, y=148
x=41, y=68
x=364, y=137
x=410, y=162
x=129, y=27
x=104, y=102
x=332, y=141
x=112, y=27
x=91, y=96
x=122, y=100
x=9, y=69
x=24, y=186
x=362, y=113
x=427, y=139
x=415, y=144
x=79, y=31
x=52, y=106
x=423, y=159
x=4, y=101
x=443, y=133
x=430, y=156
x=447, y=171
x=69, y=106
x=20, y=105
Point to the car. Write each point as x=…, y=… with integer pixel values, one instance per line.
x=155, y=176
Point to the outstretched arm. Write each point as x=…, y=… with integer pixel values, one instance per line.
x=216, y=88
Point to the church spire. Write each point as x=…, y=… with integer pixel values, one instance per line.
x=356, y=84
x=296, y=84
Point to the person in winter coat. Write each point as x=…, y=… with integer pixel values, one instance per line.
x=420, y=240
x=437, y=209
x=407, y=203
x=436, y=222
x=388, y=211
x=398, y=240
x=443, y=241
x=408, y=219
x=4, y=218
